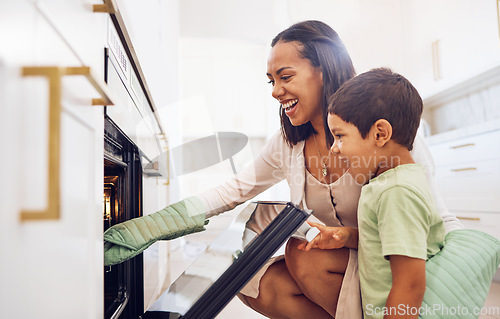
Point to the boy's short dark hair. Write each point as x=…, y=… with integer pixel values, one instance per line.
x=380, y=94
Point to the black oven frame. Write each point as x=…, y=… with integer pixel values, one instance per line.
x=123, y=282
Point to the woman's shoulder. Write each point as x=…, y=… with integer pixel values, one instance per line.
x=277, y=141
x=279, y=150
x=421, y=153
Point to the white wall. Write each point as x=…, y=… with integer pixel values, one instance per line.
x=224, y=88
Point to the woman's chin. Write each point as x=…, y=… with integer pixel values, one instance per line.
x=296, y=121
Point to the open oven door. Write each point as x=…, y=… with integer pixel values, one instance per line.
x=229, y=262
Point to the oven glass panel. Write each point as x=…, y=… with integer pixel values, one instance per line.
x=230, y=261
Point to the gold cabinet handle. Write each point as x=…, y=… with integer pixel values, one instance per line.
x=108, y=6
x=498, y=16
x=469, y=218
x=166, y=148
x=462, y=145
x=464, y=169
x=99, y=86
x=54, y=75
x=103, y=8
x=436, y=68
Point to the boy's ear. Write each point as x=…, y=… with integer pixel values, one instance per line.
x=382, y=132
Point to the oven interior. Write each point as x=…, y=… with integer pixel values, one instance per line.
x=123, y=283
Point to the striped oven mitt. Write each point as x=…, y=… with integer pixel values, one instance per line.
x=130, y=238
x=459, y=276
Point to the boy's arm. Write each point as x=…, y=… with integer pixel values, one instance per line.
x=332, y=238
x=408, y=286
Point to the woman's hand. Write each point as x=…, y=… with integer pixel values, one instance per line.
x=331, y=238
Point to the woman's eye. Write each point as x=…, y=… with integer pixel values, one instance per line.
x=271, y=82
x=286, y=77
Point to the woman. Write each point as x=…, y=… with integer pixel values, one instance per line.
x=307, y=64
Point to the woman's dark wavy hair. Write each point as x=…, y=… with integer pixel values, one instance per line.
x=322, y=46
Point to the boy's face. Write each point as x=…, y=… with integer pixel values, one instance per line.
x=350, y=146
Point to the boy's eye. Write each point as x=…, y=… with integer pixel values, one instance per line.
x=337, y=136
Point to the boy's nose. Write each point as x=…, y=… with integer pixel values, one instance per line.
x=335, y=148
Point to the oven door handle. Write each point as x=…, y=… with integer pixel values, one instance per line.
x=120, y=307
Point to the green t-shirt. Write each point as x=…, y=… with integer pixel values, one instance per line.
x=396, y=216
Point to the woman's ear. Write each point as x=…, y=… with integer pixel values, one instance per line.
x=318, y=69
x=382, y=132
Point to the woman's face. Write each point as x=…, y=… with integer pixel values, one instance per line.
x=297, y=85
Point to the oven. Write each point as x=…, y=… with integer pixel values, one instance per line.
x=133, y=185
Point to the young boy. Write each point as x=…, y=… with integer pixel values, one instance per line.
x=374, y=118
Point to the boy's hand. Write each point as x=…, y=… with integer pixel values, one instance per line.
x=328, y=238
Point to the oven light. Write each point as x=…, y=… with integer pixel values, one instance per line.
x=107, y=208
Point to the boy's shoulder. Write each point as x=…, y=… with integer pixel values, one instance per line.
x=408, y=176
x=404, y=192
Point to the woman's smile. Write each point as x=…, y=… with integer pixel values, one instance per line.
x=289, y=105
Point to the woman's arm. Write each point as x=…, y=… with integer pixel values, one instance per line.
x=422, y=155
x=408, y=287
x=261, y=174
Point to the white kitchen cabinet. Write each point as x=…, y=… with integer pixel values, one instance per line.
x=485, y=222
x=465, y=34
x=471, y=186
x=463, y=150
x=50, y=268
x=467, y=172
x=80, y=27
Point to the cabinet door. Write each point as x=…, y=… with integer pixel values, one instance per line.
x=470, y=186
x=467, y=149
x=486, y=222
x=82, y=29
x=470, y=41
x=49, y=268
x=465, y=37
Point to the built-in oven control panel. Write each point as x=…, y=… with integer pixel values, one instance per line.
x=131, y=111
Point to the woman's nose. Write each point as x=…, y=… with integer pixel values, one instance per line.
x=278, y=91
